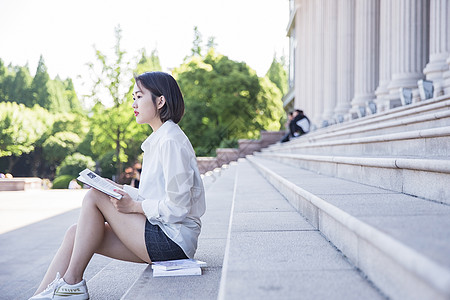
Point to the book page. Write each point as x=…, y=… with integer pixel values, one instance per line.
x=94, y=180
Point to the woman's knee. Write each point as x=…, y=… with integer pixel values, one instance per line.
x=70, y=234
x=92, y=196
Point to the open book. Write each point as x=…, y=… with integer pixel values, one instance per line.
x=99, y=183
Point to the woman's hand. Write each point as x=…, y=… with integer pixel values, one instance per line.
x=126, y=204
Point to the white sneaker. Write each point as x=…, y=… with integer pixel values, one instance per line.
x=59, y=289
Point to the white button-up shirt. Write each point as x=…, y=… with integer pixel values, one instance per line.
x=170, y=188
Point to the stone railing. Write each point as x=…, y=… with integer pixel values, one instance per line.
x=20, y=184
x=246, y=147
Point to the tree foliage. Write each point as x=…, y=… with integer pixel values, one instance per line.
x=73, y=164
x=43, y=123
x=277, y=74
x=20, y=129
x=225, y=100
x=17, y=85
x=114, y=127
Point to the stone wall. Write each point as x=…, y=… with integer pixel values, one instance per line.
x=20, y=184
x=246, y=147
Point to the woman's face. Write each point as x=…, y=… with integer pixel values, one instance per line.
x=144, y=109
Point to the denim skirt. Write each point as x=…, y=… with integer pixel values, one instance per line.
x=159, y=246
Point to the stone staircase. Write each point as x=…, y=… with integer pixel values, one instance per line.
x=359, y=210
x=379, y=190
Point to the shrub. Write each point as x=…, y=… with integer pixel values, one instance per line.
x=74, y=164
x=62, y=182
x=108, y=164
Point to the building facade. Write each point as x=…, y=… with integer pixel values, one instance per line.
x=351, y=58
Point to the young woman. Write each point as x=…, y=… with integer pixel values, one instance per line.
x=158, y=221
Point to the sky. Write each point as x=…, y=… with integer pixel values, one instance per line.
x=66, y=31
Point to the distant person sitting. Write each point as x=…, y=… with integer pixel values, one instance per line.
x=287, y=125
x=300, y=124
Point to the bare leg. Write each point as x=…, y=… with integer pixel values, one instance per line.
x=122, y=238
x=61, y=260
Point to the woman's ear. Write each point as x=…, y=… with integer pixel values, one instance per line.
x=161, y=102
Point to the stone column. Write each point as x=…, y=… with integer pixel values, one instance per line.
x=305, y=59
x=330, y=64
x=309, y=50
x=296, y=46
x=366, y=55
x=410, y=44
x=301, y=99
x=446, y=75
x=345, y=57
x=318, y=66
x=447, y=79
x=385, y=55
x=439, y=43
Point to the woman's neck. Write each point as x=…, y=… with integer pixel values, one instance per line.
x=156, y=124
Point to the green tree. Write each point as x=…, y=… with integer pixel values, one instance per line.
x=20, y=86
x=110, y=124
x=74, y=164
x=20, y=128
x=196, y=45
x=270, y=98
x=71, y=96
x=278, y=75
x=40, y=86
x=225, y=100
x=58, y=146
x=148, y=63
x=3, y=76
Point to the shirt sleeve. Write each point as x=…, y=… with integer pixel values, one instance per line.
x=132, y=191
x=179, y=180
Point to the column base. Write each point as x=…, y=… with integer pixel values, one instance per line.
x=360, y=105
x=446, y=80
x=435, y=69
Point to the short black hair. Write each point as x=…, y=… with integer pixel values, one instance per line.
x=163, y=84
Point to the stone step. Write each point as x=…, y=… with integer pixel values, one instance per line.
x=211, y=249
x=398, y=241
x=434, y=142
x=421, y=177
x=427, y=108
x=274, y=253
x=434, y=115
x=114, y=280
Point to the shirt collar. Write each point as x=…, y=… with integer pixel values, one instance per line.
x=156, y=135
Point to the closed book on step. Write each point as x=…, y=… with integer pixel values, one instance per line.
x=177, y=272
x=177, y=264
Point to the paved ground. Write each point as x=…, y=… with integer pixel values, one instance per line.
x=32, y=225
x=21, y=208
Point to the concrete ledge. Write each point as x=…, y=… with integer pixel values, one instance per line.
x=20, y=184
x=429, y=165
x=435, y=105
x=399, y=136
x=427, y=178
x=406, y=117
x=423, y=278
